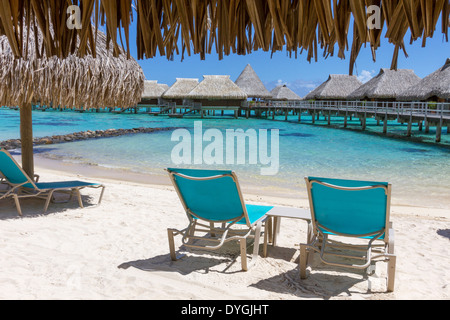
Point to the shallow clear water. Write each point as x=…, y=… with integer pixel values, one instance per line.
x=419, y=172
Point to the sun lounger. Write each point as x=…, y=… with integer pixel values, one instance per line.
x=350, y=217
x=22, y=186
x=212, y=197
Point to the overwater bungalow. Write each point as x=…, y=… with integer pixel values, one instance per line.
x=337, y=87
x=249, y=82
x=178, y=92
x=434, y=87
x=283, y=93
x=152, y=92
x=386, y=86
x=217, y=92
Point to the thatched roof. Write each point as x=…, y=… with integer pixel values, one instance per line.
x=200, y=26
x=251, y=84
x=282, y=92
x=386, y=85
x=103, y=81
x=435, y=85
x=153, y=89
x=338, y=86
x=180, y=89
x=217, y=87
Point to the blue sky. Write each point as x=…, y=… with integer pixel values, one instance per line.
x=297, y=73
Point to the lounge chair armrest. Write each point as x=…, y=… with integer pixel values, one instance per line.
x=36, y=178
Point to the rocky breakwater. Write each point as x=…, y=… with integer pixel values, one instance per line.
x=77, y=136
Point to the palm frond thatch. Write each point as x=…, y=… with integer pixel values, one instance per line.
x=88, y=82
x=217, y=87
x=435, y=86
x=228, y=26
x=251, y=84
x=153, y=89
x=180, y=89
x=337, y=87
x=386, y=85
x=283, y=93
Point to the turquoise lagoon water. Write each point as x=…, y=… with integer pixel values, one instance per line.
x=419, y=172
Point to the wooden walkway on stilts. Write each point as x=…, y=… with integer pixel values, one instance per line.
x=425, y=114
x=422, y=113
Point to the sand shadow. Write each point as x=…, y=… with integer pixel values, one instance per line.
x=225, y=260
x=34, y=207
x=316, y=286
x=444, y=233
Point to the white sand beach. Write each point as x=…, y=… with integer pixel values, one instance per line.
x=119, y=250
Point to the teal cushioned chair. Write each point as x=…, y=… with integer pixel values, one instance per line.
x=212, y=197
x=22, y=186
x=350, y=209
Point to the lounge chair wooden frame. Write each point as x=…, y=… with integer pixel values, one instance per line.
x=375, y=249
x=223, y=234
x=19, y=191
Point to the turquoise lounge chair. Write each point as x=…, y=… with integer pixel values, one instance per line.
x=214, y=197
x=350, y=216
x=22, y=186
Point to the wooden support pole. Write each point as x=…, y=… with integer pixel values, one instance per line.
x=408, y=131
x=438, y=132
x=300, y=115
x=26, y=136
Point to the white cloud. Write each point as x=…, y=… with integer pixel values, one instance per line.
x=366, y=75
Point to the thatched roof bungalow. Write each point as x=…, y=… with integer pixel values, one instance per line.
x=217, y=90
x=337, y=87
x=386, y=85
x=434, y=87
x=251, y=84
x=153, y=92
x=283, y=93
x=180, y=90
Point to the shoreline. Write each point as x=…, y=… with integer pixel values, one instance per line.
x=251, y=192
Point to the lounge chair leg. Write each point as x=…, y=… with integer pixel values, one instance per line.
x=211, y=226
x=303, y=261
x=256, y=243
x=16, y=200
x=391, y=273
x=101, y=195
x=80, y=201
x=243, y=244
x=47, y=202
x=267, y=229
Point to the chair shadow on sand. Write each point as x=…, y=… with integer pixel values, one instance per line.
x=33, y=207
x=287, y=282
x=192, y=260
x=315, y=286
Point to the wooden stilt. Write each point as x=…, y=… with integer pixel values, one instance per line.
x=438, y=132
